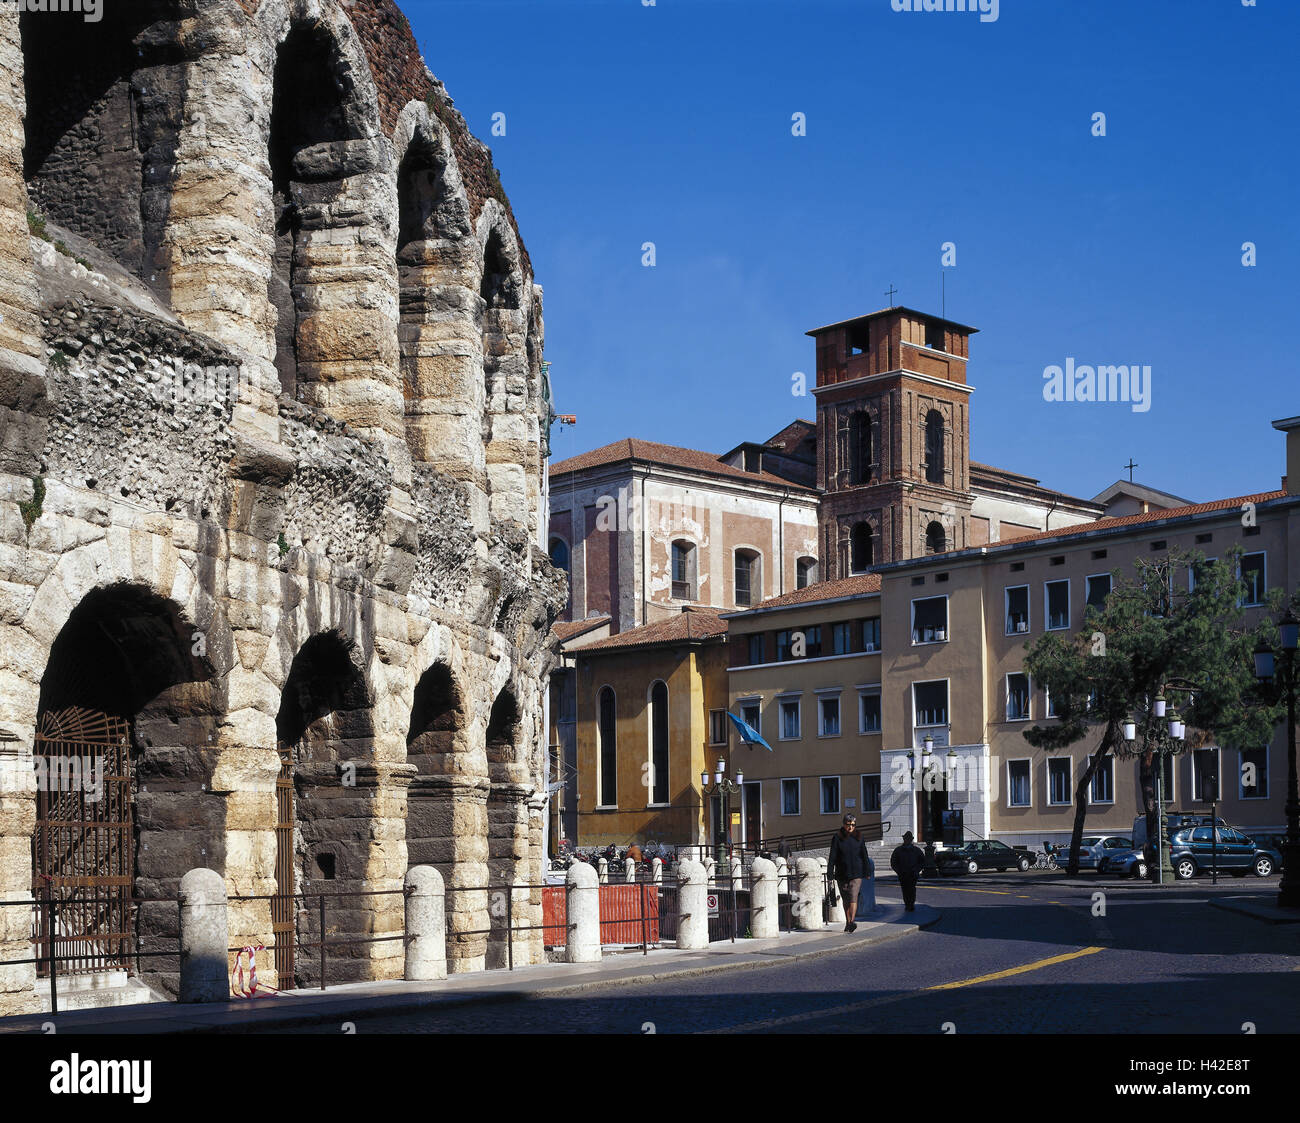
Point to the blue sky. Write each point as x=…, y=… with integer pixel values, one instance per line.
x=671, y=124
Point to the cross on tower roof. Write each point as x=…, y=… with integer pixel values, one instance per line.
x=1130, y=466
x=890, y=294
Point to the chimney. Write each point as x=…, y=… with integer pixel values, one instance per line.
x=1291, y=427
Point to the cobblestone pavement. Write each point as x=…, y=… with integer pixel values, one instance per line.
x=1158, y=960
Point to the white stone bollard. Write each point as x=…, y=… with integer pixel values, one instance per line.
x=763, y=901
x=782, y=876
x=692, y=905
x=602, y=871
x=806, y=902
x=426, y=925
x=657, y=870
x=582, y=908
x=205, y=936
x=836, y=912
x=736, y=872
x=709, y=867
x=629, y=870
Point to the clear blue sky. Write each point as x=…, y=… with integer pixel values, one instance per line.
x=672, y=124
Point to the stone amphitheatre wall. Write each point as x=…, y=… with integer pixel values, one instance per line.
x=271, y=427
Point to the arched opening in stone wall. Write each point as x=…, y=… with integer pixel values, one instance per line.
x=438, y=335
x=507, y=821
x=437, y=715
x=125, y=751
x=102, y=127
x=314, y=116
x=325, y=732
x=505, y=377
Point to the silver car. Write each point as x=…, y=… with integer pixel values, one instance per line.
x=1096, y=847
x=1123, y=863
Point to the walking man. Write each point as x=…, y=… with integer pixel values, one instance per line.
x=907, y=861
x=847, y=867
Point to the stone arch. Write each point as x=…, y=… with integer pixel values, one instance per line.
x=936, y=538
x=861, y=547
x=128, y=657
x=505, y=301
x=325, y=729
x=101, y=130
x=508, y=824
x=333, y=281
x=439, y=335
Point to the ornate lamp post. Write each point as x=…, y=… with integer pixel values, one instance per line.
x=1288, y=895
x=725, y=787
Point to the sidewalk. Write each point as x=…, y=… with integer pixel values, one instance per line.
x=359, y=1000
x=1259, y=907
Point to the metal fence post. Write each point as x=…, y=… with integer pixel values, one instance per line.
x=644, y=946
x=510, y=921
x=52, y=915
x=322, y=941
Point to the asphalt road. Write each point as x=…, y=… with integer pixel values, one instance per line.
x=1011, y=954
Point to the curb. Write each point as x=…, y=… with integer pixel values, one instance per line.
x=345, y=1008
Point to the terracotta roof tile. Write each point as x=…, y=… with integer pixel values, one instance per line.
x=693, y=625
x=671, y=456
x=860, y=586
x=1079, y=530
x=566, y=629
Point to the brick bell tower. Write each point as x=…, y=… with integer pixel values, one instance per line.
x=893, y=438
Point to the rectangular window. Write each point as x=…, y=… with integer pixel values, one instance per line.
x=1017, y=597
x=1203, y=567
x=1058, y=604
x=929, y=703
x=751, y=713
x=871, y=794
x=1097, y=588
x=789, y=797
x=783, y=645
x=683, y=571
x=790, y=726
x=830, y=786
x=1058, y=780
x=812, y=640
x=1205, y=775
x=1254, y=574
x=1049, y=707
x=755, y=648
x=930, y=620
x=718, y=726
x=1253, y=774
x=1102, y=789
x=869, y=711
x=842, y=637
x=748, y=585
x=1018, y=786
x=1018, y=697
x=830, y=715
x=871, y=634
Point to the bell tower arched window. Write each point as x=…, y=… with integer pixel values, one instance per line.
x=860, y=548
x=934, y=447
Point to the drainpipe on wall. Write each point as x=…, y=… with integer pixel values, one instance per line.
x=645, y=553
x=780, y=541
x=1047, y=521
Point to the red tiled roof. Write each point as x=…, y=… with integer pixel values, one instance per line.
x=566, y=629
x=671, y=456
x=1079, y=530
x=860, y=586
x=690, y=626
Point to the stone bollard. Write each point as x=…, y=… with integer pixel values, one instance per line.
x=806, y=902
x=205, y=936
x=602, y=871
x=693, y=905
x=737, y=872
x=835, y=915
x=782, y=876
x=657, y=870
x=867, y=893
x=426, y=925
x=709, y=867
x=582, y=906
x=629, y=870
x=763, y=901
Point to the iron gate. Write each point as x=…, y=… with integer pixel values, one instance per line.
x=282, y=904
x=83, y=851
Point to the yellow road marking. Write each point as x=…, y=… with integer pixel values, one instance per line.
x=1017, y=970
x=888, y=999
x=960, y=889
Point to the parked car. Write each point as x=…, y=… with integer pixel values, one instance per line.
x=982, y=855
x=1194, y=850
x=1123, y=863
x=1177, y=820
x=1094, y=847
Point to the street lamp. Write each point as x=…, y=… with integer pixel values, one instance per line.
x=726, y=788
x=1288, y=893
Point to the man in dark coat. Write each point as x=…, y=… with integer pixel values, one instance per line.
x=907, y=861
x=847, y=866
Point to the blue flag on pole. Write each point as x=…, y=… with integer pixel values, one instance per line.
x=748, y=735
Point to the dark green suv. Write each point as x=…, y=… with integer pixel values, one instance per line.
x=1194, y=850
